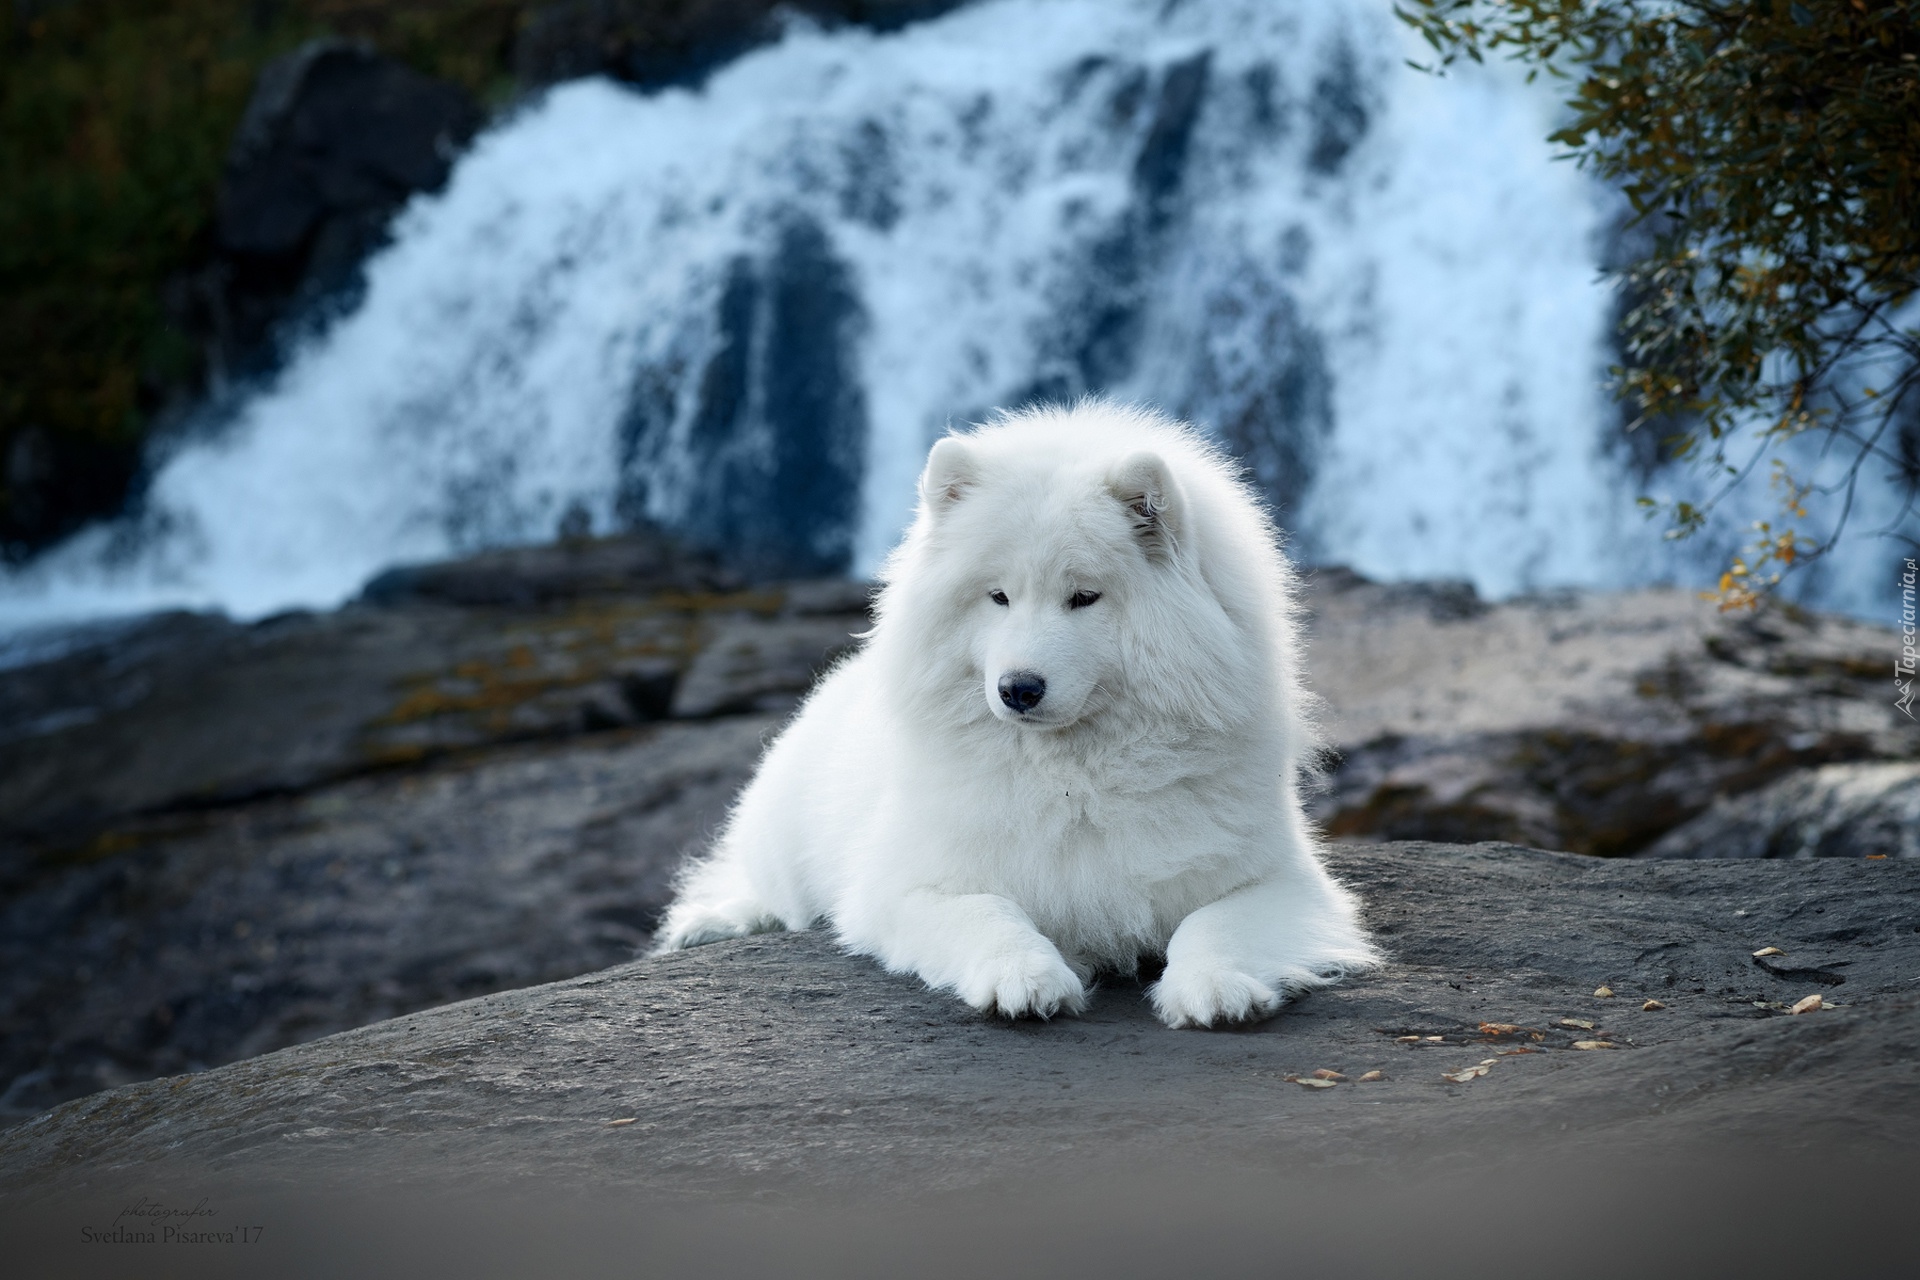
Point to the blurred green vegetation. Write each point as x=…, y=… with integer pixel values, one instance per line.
x=115, y=117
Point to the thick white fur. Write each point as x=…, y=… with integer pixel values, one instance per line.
x=1148, y=805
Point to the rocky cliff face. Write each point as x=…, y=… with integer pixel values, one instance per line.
x=220, y=840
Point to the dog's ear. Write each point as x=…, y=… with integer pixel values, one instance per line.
x=951, y=471
x=1153, y=501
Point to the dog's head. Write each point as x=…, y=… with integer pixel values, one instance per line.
x=1051, y=566
x=1056, y=574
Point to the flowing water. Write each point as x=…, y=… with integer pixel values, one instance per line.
x=746, y=310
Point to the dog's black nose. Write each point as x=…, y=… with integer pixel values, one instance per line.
x=1022, y=690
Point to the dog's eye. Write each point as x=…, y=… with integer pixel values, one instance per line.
x=1081, y=599
x=998, y=597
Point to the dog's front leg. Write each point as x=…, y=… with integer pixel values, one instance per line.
x=1244, y=956
x=980, y=946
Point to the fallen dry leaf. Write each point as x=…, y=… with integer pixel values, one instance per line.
x=1594, y=1044
x=615, y=1124
x=1324, y=1074
x=1465, y=1074
x=1436, y=1039
x=1373, y=1075
x=1807, y=1004
x=1651, y=1005
x=1764, y=952
x=1604, y=993
x=1582, y=1023
x=1408, y=1039
x=1499, y=1028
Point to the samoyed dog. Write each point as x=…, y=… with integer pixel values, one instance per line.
x=1073, y=739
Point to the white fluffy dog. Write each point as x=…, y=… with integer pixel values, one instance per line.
x=1072, y=739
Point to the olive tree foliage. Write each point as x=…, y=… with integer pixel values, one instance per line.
x=1773, y=151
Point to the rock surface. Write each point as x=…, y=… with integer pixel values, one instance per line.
x=185, y=712
x=218, y=840
x=777, y=1061
x=221, y=839
x=1593, y=723
x=1839, y=811
x=334, y=141
x=198, y=938
x=651, y=44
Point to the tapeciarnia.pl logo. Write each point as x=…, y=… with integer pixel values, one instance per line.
x=1903, y=666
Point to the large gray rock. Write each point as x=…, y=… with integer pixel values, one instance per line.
x=219, y=839
x=199, y=938
x=1589, y=722
x=183, y=712
x=1838, y=811
x=777, y=1061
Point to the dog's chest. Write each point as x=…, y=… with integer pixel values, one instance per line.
x=1076, y=833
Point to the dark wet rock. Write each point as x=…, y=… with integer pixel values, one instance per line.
x=755, y=664
x=55, y=481
x=1264, y=100
x=1338, y=112
x=777, y=438
x=1838, y=811
x=1093, y=338
x=871, y=190
x=1258, y=372
x=335, y=139
x=219, y=839
x=777, y=1061
x=652, y=45
x=1161, y=165
x=185, y=712
x=334, y=131
x=1261, y=378
x=1594, y=723
x=637, y=563
x=194, y=939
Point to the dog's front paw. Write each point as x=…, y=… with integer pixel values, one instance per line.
x=694, y=924
x=1026, y=981
x=1195, y=995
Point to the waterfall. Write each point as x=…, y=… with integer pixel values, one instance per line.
x=745, y=311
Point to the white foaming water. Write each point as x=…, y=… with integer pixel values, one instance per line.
x=1378, y=284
